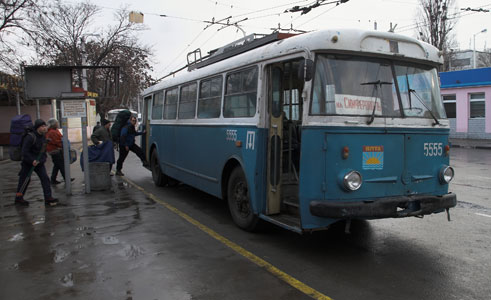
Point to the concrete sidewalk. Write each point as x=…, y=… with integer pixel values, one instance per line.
x=118, y=244
x=471, y=143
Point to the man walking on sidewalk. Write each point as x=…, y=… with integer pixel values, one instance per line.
x=127, y=143
x=33, y=158
x=55, y=149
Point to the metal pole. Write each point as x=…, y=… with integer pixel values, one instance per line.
x=38, y=110
x=53, y=108
x=86, y=155
x=18, y=102
x=474, y=53
x=66, y=156
x=84, y=61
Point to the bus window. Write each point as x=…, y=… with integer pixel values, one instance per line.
x=157, y=106
x=187, y=104
x=170, y=106
x=241, y=94
x=210, y=96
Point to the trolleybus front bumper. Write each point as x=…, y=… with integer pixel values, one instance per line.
x=389, y=207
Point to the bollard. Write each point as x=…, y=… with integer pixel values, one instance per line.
x=100, y=177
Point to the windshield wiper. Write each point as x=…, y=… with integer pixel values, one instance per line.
x=375, y=84
x=410, y=90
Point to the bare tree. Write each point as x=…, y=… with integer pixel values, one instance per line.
x=435, y=24
x=13, y=16
x=484, y=59
x=60, y=32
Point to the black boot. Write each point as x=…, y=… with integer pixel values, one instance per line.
x=21, y=202
x=50, y=201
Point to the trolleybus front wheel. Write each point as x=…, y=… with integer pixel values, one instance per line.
x=158, y=177
x=239, y=201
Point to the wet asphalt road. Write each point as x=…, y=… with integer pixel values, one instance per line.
x=121, y=244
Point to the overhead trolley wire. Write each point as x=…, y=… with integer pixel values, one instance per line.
x=458, y=14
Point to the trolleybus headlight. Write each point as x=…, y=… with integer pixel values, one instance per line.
x=446, y=174
x=352, y=180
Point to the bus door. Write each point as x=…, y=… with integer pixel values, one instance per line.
x=285, y=113
x=147, y=106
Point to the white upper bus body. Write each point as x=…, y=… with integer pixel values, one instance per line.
x=111, y=115
x=361, y=43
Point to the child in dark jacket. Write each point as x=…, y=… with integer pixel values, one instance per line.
x=34, y=156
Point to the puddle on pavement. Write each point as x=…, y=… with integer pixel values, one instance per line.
x=67, y=280
x=38, y=221
x=39, y=262
x=123, y=185
x=463, y=204
x=110, y=240
x=60, y=255
x=131, y=251
x=84, y=228
x=16, y=237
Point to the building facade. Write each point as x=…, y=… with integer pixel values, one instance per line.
x=467, y=98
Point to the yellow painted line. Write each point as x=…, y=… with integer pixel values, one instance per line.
x=302, y=287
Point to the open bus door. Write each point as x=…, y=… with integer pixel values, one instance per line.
x=147, y=106
x=285, y=120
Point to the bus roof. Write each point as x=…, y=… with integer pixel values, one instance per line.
x=338, y=40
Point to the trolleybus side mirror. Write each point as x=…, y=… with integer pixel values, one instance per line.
x=306, y=70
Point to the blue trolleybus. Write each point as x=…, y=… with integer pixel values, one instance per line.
x=307, y=130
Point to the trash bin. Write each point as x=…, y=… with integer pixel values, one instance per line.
x=100, y=177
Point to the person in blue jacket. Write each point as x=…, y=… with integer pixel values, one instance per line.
x=34, y=156
x=127, y=144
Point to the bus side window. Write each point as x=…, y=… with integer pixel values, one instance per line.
x=210, y=98
x=241, y=94
x=170, y=104
x=187, y=104
x=158, y=105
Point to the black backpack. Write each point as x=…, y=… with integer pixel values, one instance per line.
x=121, y=119
x=20, y=127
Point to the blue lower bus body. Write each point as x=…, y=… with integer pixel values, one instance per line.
x=200, y=156
x=400, y=177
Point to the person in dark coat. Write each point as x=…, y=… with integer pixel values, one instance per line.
x=127, y=144
x=102, y=133
x=34, y=156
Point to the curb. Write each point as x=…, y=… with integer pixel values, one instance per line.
x=471, y=147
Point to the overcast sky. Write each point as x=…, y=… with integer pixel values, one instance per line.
x=182, y=31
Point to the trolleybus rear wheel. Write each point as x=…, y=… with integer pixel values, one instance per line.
x=158, y=177
x=239, y=201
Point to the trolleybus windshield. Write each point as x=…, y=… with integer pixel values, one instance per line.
x=359, y=86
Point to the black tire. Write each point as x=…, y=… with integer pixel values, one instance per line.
x=239, y=201
x=158, y=177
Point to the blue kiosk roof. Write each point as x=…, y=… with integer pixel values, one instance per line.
x=465, y=78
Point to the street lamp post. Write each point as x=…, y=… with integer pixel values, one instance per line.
x=85, y=119
x=474, y=50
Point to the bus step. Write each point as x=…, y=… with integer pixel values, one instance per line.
x=290, y=207
x=285, y=221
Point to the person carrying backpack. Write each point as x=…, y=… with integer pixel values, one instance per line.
x=55, y=149
x=127, y=143
x=33, y=159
